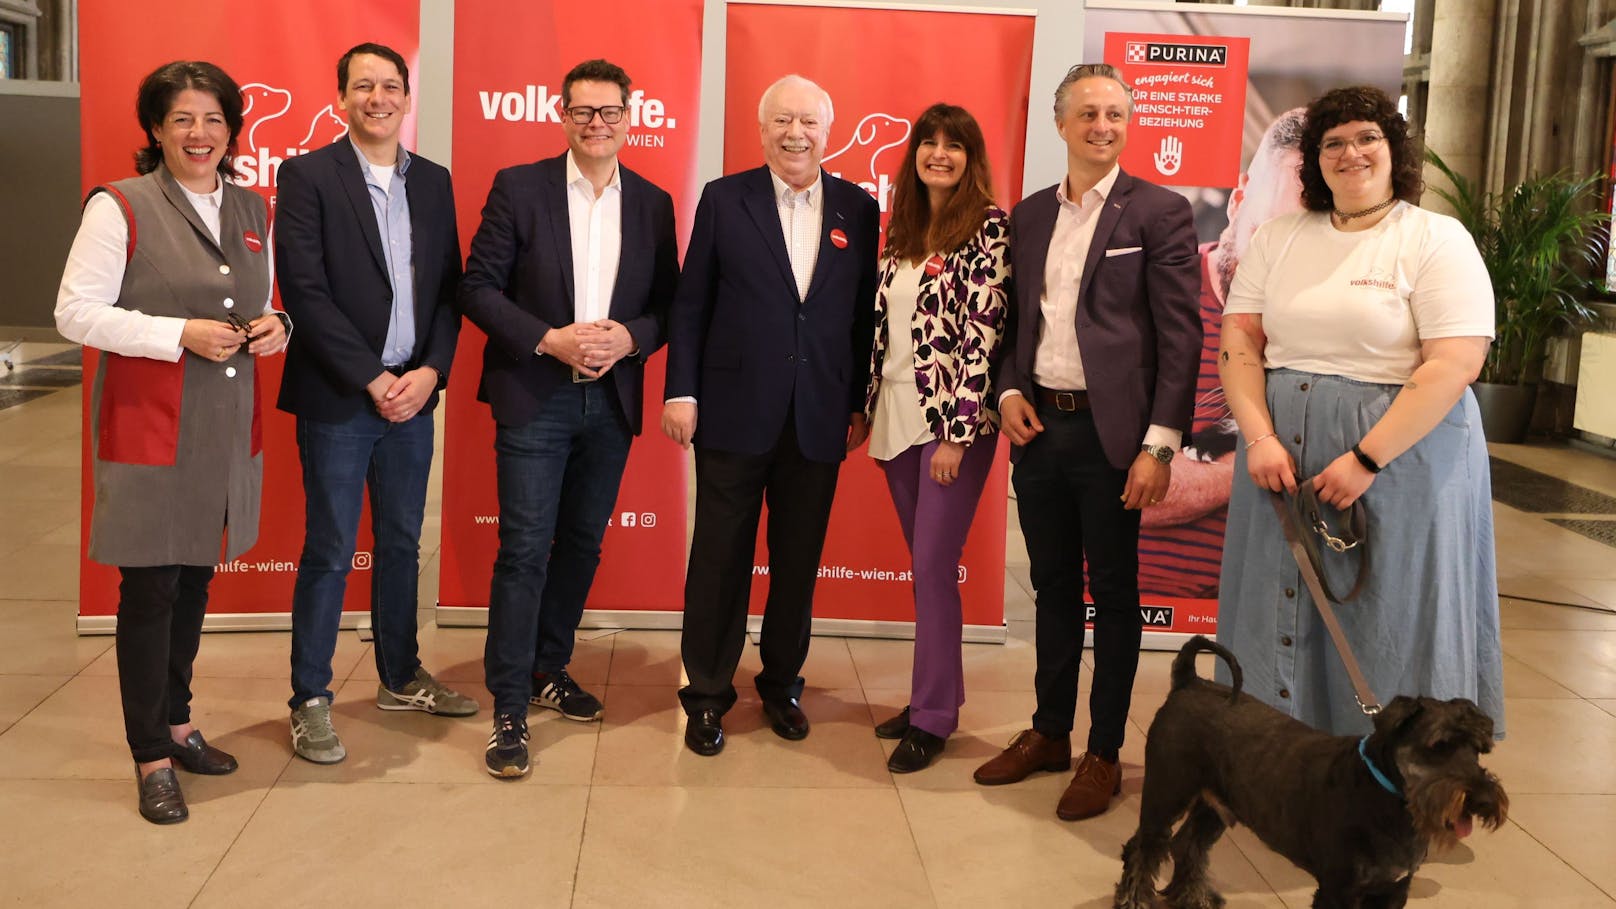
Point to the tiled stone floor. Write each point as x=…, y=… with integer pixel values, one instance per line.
x=620, y=814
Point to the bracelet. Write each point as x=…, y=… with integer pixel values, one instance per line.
x=1367, y=462
x=1263, y=438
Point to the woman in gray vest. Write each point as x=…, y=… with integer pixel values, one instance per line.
x=169, y=277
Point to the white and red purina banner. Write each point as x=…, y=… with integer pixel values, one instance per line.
x=882, y=68
x=509, y=63
x=1189, y=100
x=1217, y=93
x=286, y=65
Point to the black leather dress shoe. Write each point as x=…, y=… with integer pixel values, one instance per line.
x=197, y=756
x=786, y=718
x=895, y=727
x=704, y=733
x=161, y=801
x=916, y=752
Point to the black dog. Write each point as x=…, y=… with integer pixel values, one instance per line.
x=1357, y=814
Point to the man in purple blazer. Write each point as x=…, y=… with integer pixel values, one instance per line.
x=1097, y=388
x=768, y=358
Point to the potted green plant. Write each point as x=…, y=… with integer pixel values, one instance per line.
x=1538, y=239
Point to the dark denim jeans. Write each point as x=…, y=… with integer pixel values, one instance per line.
x=558, y=479
x=340, y=461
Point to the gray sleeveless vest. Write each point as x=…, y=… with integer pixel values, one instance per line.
x=177, y=446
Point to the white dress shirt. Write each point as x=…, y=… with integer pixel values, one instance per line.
x=86, y=304
x=1057, y=362
x=801, y=215
x=597, y=241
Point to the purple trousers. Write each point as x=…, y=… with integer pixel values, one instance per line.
x=935, y=520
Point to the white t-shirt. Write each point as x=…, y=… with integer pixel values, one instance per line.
x=1358, y=304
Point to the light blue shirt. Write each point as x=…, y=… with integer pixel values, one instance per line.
x=392, y=207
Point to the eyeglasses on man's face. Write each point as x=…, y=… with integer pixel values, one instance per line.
x=581, y=115
x=1336, y=146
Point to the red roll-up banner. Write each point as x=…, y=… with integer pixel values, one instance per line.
x=882, y=68
x=285, y=63
x=509, y=62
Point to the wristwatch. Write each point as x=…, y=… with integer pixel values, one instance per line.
x=1162, y=453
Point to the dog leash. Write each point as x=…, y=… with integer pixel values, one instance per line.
x=1303, y=509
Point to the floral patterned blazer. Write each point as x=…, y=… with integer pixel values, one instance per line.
x=959, y=319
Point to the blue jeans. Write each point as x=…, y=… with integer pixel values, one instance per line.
x=558, y=477
x=340, y=461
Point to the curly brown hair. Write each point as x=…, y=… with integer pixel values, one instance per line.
x=913, y=231
x=1348, y=105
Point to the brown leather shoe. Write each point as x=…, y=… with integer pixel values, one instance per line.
x=1091, y=789
x=1029, y=751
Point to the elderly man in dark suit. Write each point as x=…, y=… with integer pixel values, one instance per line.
x=368, y=261
x=768, y=357
x=571, y=274
x=1097, y=387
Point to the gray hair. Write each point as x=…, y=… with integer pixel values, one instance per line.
x=794, y=79
x=1089, y=71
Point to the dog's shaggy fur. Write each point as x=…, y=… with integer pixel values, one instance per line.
x=1216, y=757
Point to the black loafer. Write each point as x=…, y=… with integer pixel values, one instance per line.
x=916, y=752
x=197, y=756
x=161, y=801
x=704, y=733
x=895, y=727
x=786, y=718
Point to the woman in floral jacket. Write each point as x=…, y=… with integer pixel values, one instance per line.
x=939, y=315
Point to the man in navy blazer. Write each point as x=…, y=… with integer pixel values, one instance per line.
x=1097, y=388
x=571, y=274
x=768, y=358
x=368, y=260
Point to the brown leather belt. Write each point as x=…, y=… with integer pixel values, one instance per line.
x=1068, y=401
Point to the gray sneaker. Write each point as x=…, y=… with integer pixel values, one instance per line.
x=426, y=694
x=313, y=739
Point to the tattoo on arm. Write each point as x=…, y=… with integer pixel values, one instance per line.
x=1411, y=386
x=1226, y=356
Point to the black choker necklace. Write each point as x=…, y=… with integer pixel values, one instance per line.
x=1349, y=215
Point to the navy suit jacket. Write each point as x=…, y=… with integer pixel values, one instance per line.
x=335, y=285
x=1138, y=316
x=519, y=285
x=742, y=344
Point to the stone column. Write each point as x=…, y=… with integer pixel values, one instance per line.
x=1457, y=108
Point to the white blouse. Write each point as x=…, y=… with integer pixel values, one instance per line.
x=899, y=421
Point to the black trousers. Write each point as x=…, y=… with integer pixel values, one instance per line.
x=160, y=613
x=730, y=491
x=1069, y=499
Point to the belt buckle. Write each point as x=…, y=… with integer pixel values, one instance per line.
x=579, y=378
x=1066, y=401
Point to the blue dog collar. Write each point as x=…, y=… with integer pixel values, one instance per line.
x=1381, y=778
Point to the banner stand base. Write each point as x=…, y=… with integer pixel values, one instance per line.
x=663, y=620
x=246, y=621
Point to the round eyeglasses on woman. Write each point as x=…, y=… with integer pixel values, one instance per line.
x=581, y=115
x=1335, y=147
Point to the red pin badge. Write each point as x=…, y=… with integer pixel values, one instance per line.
x=934, y=265
x=838, y=239
x=253, y=243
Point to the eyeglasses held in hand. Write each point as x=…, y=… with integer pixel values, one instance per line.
x=611, y=116
x=1364, y=142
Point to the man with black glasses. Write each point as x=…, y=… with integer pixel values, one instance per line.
x=570, y=275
